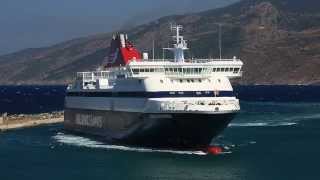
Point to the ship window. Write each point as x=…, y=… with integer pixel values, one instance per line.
x=200, y=80
x=218, y=69
x=192, y=80
x=236, y=70
x=161, y=81
x=196, y=70
x=151, y=70
x=175, y=70
x=181, y=81
x=227, y=69
x=135, y=71
x=188, y=80
x=222, y=69
x=167, y=69
x=180, y=69
x=171, y=69
x=231, y=69
x=120, y=76
x=147, y=70
x=214, y=69
x=141, y=70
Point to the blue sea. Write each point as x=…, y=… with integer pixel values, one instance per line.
x=275, y=136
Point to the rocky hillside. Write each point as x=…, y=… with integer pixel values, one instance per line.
x=279, y=41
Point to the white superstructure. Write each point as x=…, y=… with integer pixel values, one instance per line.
x=160, y=86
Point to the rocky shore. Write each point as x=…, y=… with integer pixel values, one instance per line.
x=10, y=122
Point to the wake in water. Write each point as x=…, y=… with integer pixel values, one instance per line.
x=89, y=143
x=263, y=124
x=271, y=114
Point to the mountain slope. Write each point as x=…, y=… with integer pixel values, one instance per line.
x=279, y=41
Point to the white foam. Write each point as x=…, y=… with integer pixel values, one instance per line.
x=86, y=142
x=262, y=124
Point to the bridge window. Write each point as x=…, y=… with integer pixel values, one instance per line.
x=236, y=70
x=214, y=69
x=135, y=71
x=218, y=69
x=159, y=70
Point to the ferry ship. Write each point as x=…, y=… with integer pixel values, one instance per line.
x=157, y=103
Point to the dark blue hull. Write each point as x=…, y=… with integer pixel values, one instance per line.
x=148, y=130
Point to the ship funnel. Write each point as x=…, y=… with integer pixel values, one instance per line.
x=122, y=41
x=121, y=52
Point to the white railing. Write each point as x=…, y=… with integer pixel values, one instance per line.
x=189, y=60
x=87, y=76
x=209, y=106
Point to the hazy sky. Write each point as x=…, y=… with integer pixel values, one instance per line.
x=37, y=23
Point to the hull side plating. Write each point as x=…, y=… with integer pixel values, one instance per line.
x=148, y=130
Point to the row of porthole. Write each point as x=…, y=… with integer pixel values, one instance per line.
x=190, y=81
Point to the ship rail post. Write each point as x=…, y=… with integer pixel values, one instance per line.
x=2, y=119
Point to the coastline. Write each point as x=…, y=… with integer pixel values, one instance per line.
x=13, y=122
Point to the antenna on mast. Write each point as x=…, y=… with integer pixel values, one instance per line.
x=220, y=41
x=153, y=49
x=180, y=44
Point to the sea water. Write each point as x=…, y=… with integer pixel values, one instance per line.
x=266, y=140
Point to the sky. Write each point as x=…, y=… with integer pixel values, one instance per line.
x=39, y=23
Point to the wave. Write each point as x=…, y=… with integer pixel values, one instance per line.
x=263, y=124
x=89, y=143
x=303, y=117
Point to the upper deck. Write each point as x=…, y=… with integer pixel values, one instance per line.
x=200, y=69
x=126, y=63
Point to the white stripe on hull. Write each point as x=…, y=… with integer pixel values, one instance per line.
x=154, y=105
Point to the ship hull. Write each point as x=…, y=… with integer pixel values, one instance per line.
x=170, y=130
